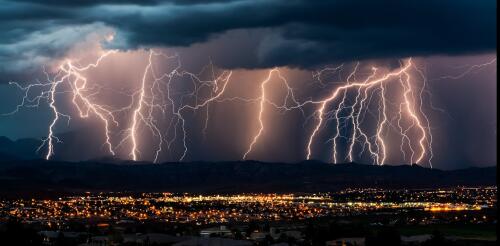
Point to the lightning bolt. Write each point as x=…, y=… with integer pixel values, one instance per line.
x=155, y=98
x=79, y=85
x=339, y=109
x=381, y=159
x=137, y=114
x=355, y=120
x=225, y=78
x=264, y=100
x=381, y=154
x=469, y=70
x=378, y=149
x=50, y=138
x=71, y=75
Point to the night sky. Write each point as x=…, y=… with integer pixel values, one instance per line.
x=452, y=43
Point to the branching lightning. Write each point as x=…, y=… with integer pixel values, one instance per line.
x=263, y=99
x=378, y=147
x=72, y=76
x=359, y=111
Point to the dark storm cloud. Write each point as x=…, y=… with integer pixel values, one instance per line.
x=85, y=2
x=117, y=2
x=296, y=32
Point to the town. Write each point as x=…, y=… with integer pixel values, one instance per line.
x=347, y=217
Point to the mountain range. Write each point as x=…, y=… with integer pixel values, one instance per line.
x=22, y=171
x=40, y=177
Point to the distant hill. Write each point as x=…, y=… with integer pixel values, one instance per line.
x=39, y=177
x=26, y=149
x=22, y=149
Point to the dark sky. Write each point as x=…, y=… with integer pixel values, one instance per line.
x=446, y=38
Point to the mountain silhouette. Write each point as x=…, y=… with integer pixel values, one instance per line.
x=21, y=149
x=69, y=150
x=37, y=177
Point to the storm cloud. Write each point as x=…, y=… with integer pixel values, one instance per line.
x=295, y=33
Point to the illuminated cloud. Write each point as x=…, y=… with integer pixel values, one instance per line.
x=285, y=33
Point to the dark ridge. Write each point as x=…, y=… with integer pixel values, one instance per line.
x=40, y=177
x=21, y=149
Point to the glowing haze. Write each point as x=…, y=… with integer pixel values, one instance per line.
x=288, y=86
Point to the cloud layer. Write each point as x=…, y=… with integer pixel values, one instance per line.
x=297, y=33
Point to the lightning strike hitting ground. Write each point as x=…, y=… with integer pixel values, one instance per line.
x=263, y=100
x=79, y=85
x=380, y=154
x=70, y=74
x=155, y=101
x=138, y=111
